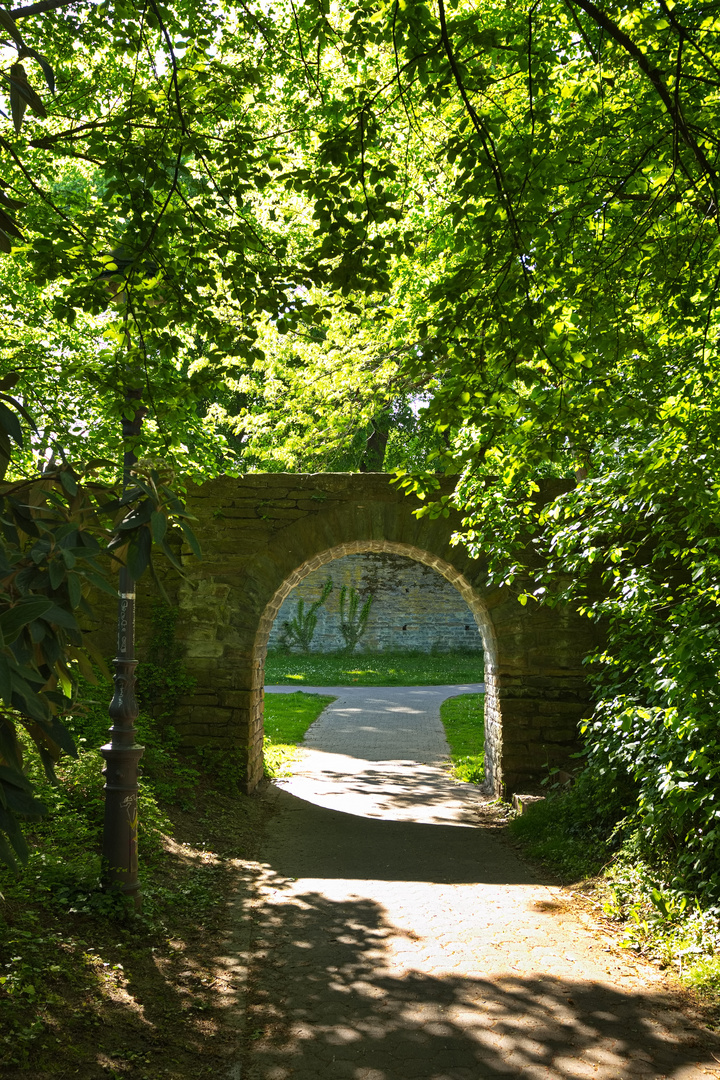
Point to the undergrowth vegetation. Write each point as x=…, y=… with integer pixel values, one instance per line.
x=588, y=834
x=86, y=989
x=635, y=548
x=376, y=669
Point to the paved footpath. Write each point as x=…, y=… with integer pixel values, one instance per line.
x=395, y=937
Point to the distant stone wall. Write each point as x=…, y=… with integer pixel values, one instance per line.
x=414, y=608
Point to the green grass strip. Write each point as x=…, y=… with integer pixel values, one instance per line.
x=463, y=718
x=287, y=718
x=378, y=669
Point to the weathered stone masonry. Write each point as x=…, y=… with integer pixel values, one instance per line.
x=262, y=534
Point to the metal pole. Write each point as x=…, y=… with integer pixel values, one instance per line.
x=122, y=754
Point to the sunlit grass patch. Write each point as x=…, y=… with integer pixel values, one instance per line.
x=287, y=718
x=378, y=669
x=463, y=718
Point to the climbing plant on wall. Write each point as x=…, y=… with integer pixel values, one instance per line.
x=353, y=616
x=299, y=631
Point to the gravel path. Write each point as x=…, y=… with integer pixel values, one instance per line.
x=395, y=937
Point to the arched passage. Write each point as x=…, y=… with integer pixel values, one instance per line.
x=473, y=600
x=261, y=534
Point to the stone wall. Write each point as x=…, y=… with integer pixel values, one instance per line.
x=414, y=608
x=263, y=534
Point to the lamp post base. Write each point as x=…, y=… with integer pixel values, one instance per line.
x=120, y=847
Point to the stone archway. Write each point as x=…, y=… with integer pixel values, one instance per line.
x=450, y=573
x=261, y=534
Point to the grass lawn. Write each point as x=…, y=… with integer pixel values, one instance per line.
x=378, y=669
x=464, y=722
x=287, y=718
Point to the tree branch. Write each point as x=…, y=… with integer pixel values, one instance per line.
x=39, y=8
x=621, y=38
x=480, y=129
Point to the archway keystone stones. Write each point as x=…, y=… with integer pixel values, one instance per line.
x=261, y=534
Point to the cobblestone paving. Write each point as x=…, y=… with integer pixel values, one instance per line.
x=397, y=938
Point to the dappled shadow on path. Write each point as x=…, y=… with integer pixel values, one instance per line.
x=391, y=950
x=325, y=1004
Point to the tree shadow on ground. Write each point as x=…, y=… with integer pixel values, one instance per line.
x=330, y=843
x=337, y=989
x=324, y=1005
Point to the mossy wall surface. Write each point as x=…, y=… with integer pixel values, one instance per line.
x=263, y=534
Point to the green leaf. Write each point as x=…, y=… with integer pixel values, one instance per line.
x=5, y=680
x=171, y=556
x=56, y=731
x=18, y=100
x=10, y=26
x=74, y=589
x=8, y=381
x=8, y=225
x=659, y=901
x=7, y=855
x=57, y=571
x=22, y=802
x=158, y=526
x=21, y=88
x=59, y=617
x=25, y=611
x=16, y=777
x=139, y=516
x=138, y=556
x=44, y=65
x=10, y=423
x=100, y=582
x=68, y=481
x=191, y=539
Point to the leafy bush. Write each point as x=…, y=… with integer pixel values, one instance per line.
x=576, y=830
x=635, y=546
x=656, y=725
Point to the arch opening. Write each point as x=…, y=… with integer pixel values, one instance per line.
x=450, y=573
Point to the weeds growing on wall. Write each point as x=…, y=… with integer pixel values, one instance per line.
x=162, y=678
x=298, y=632
x=353, y=616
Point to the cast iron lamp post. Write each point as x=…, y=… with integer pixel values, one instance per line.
x=122, y=754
